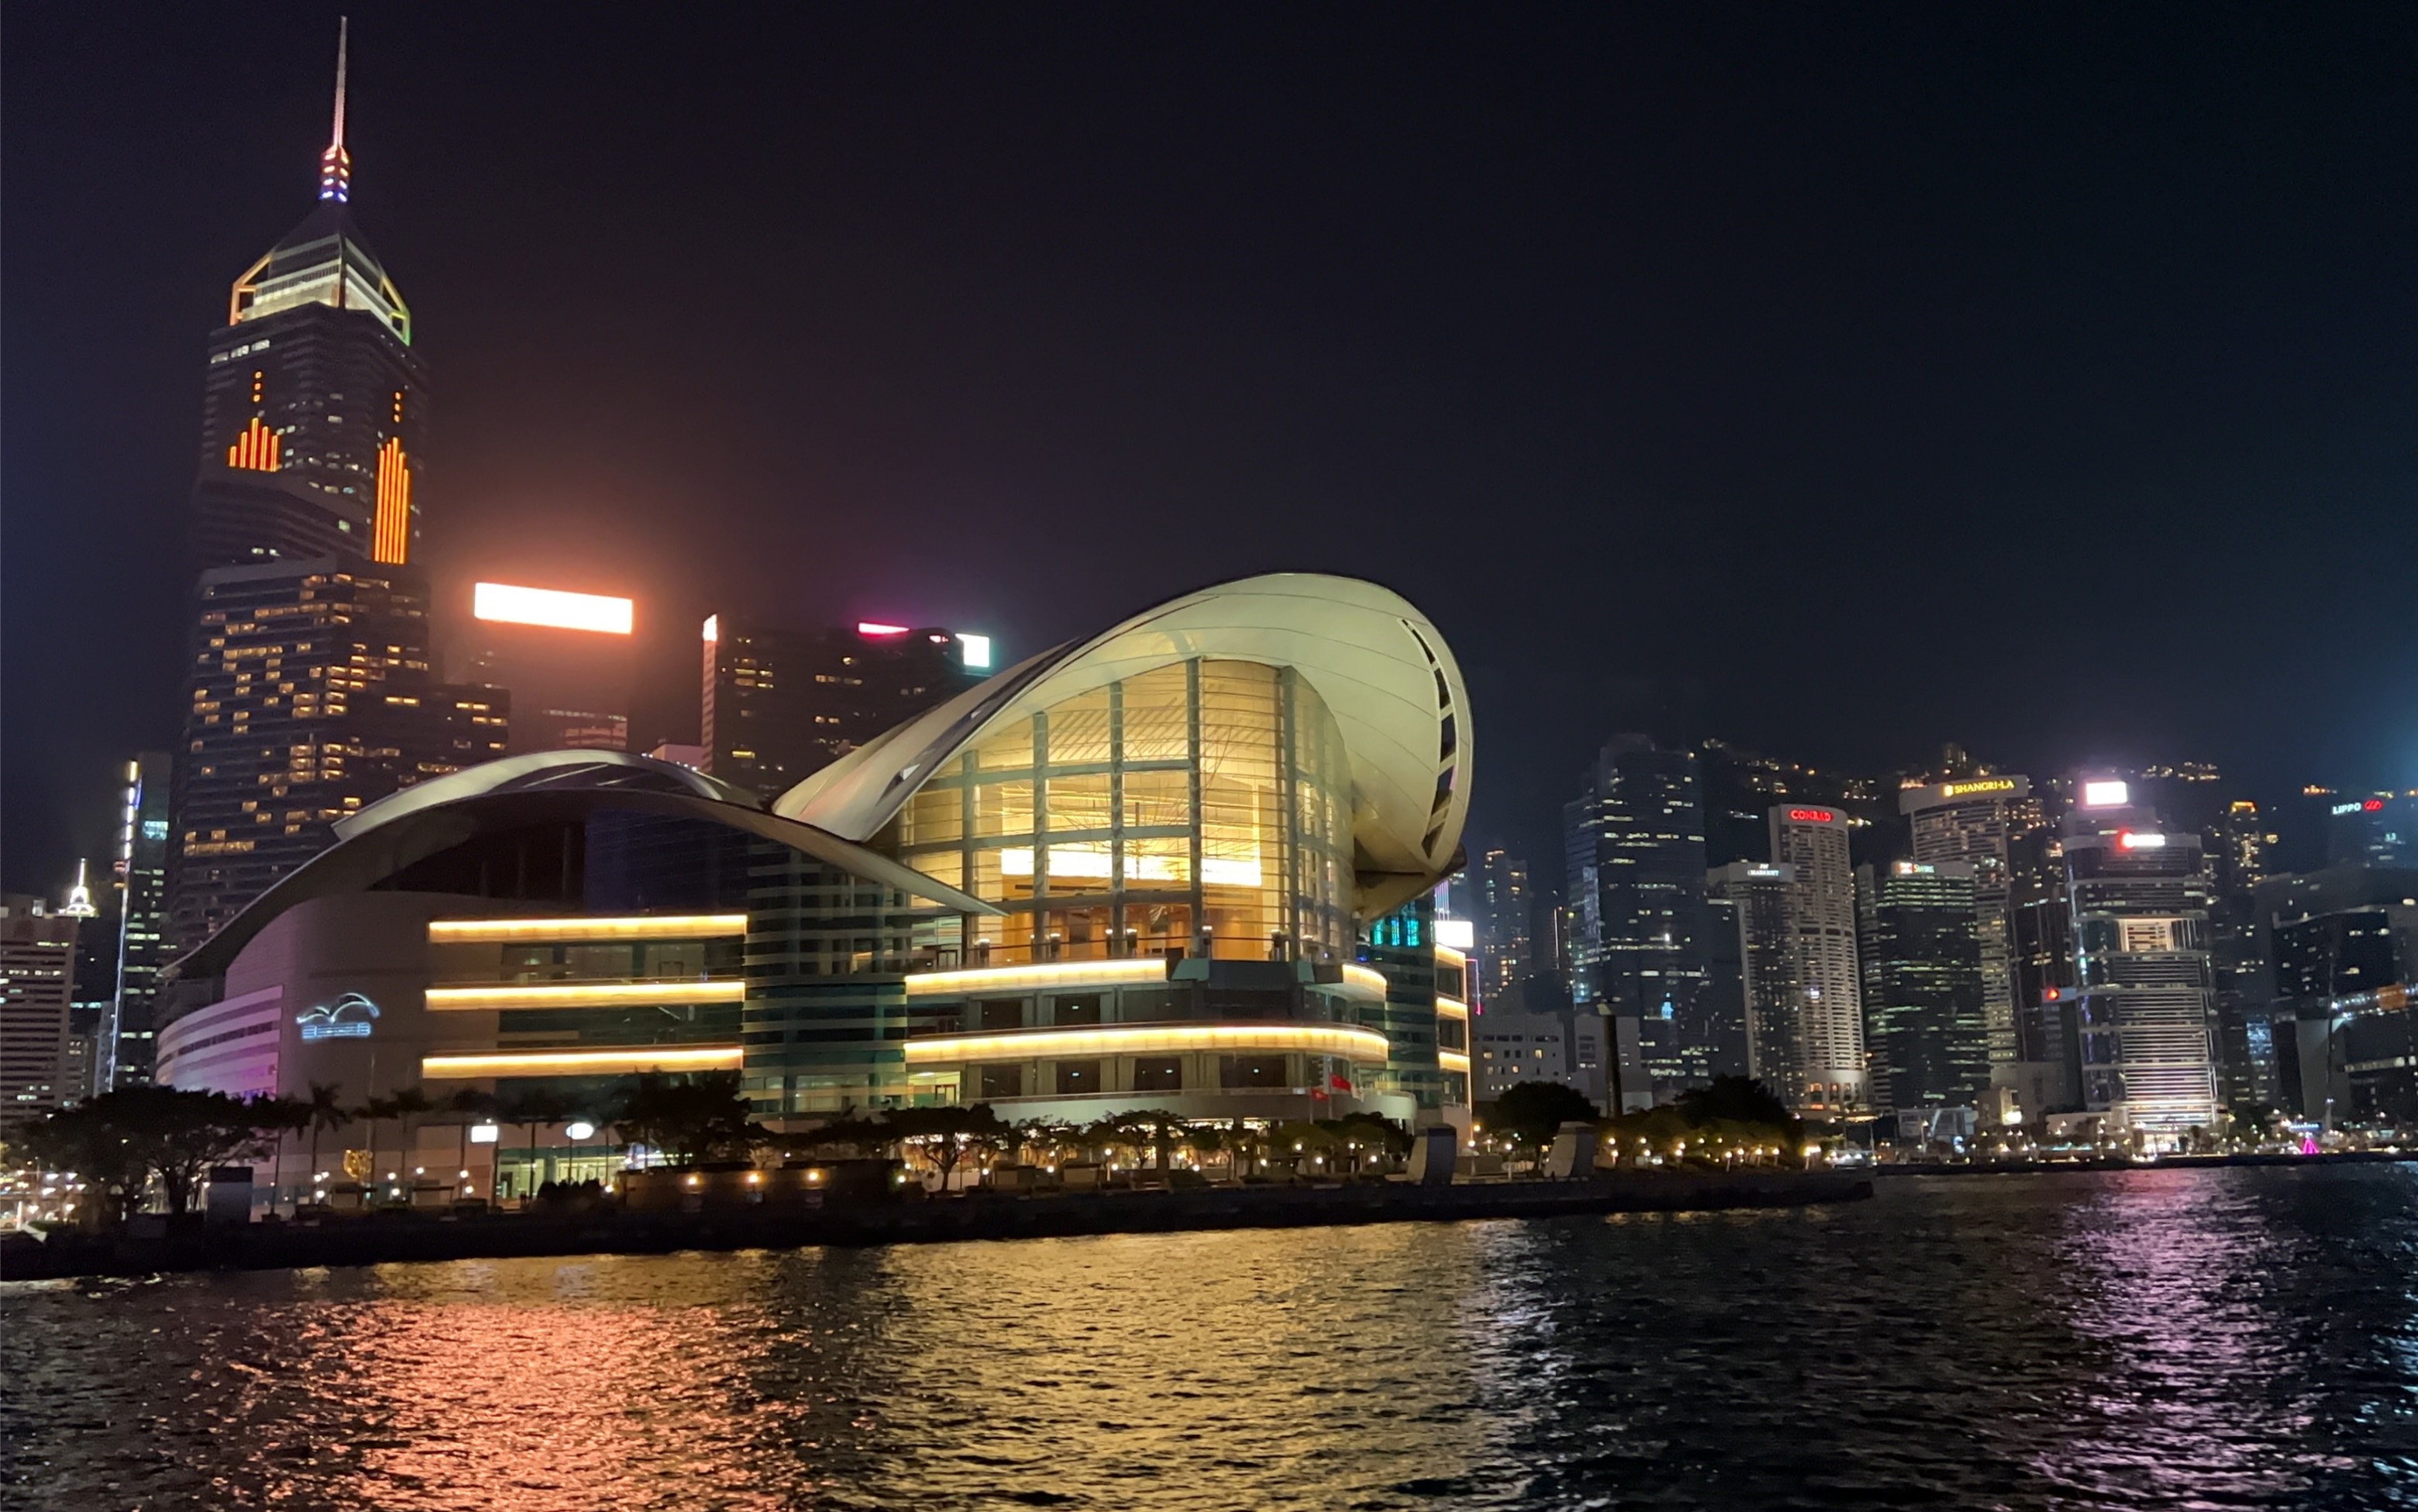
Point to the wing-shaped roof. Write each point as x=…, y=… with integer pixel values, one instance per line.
x=1380, y=665
x=539, y=771
x=390, y=835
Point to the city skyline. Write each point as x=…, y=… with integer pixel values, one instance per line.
x=556, y=422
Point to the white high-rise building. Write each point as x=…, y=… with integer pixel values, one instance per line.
x=2140, y=896
x=36, y=980
x=1812, y=841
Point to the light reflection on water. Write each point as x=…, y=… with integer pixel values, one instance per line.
x=2235, y=1338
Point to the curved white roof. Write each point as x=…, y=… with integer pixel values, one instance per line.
x=537, y=770
x=1383, y=671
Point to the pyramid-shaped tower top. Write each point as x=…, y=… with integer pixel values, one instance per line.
x=324, y=260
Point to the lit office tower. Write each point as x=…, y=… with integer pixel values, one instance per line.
x=1975, y=818
x=780, y=704
x=1757, y=895
x=1812, y=842
x=2143, y=991
x=36, y=980
x=1635, y=850
x=309, y=698
x=312, y=399
x=2238, y=845
x=1919, y=940
x=143, y=943
x=1505, y=945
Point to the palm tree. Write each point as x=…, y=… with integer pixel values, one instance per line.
x=279, y=1117
x=408, y=1103
x=536, y=1107
x=375, y=1111
x=326, y=1113
x=471, y=1104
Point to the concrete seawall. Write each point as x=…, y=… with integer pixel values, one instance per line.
x=385, y=1240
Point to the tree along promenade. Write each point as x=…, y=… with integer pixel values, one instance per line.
x=387, y=1238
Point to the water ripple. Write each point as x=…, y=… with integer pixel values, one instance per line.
x=2244, y=1339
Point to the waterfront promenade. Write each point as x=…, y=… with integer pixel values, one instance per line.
x=382, y=1239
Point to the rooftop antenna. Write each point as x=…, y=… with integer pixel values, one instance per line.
x=336, y=164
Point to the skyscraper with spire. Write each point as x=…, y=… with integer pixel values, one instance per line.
x=314, y=401
x=310, y=692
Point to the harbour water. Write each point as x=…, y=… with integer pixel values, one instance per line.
x=2187, y=1338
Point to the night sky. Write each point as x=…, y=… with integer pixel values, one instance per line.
x=1837, y=381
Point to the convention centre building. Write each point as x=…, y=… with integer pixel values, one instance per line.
x=1184, y=865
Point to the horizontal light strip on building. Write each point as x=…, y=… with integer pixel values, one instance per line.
x=1137, y=970
x=617, y=1062
x=1451, y=1008
x=1453, y=1061
x=585, y=995
x=1364, y=982
x=572, y=928
x=1451, y=956
x=1147, y=1039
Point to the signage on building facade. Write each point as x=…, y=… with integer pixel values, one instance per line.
x=349, y=1017
x=1984, y=784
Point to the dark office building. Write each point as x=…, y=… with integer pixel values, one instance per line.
x=780, y=704
x=310, y=698
x=2343, y=945
x=2375, y=830
x=1919, y=947
x=1636, y=849
x=312, y=400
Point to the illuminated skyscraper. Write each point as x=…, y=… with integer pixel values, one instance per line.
x=1974, y=818
x=2140, y=898
x=312, y=400
x=1635, y=850
x=142, y=942
x=310, y=697
x=1506, y=950
x=1919, y=940
x=1754, y=896
x=38, y=951
x=780, y=704
x=1812, y=842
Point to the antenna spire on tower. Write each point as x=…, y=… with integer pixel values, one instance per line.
x=336, y=164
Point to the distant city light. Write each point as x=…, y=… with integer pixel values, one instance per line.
x=506, y=603
x=2140, y=842
x=1813, y=815
x=977, y=651
x=875, y=627
x=581, y=1130
x=712, y=628
x=2110, y=794
x=485, y=1133
x=1457, y=934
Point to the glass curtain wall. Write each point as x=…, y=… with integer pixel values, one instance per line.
x=1202, y=808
